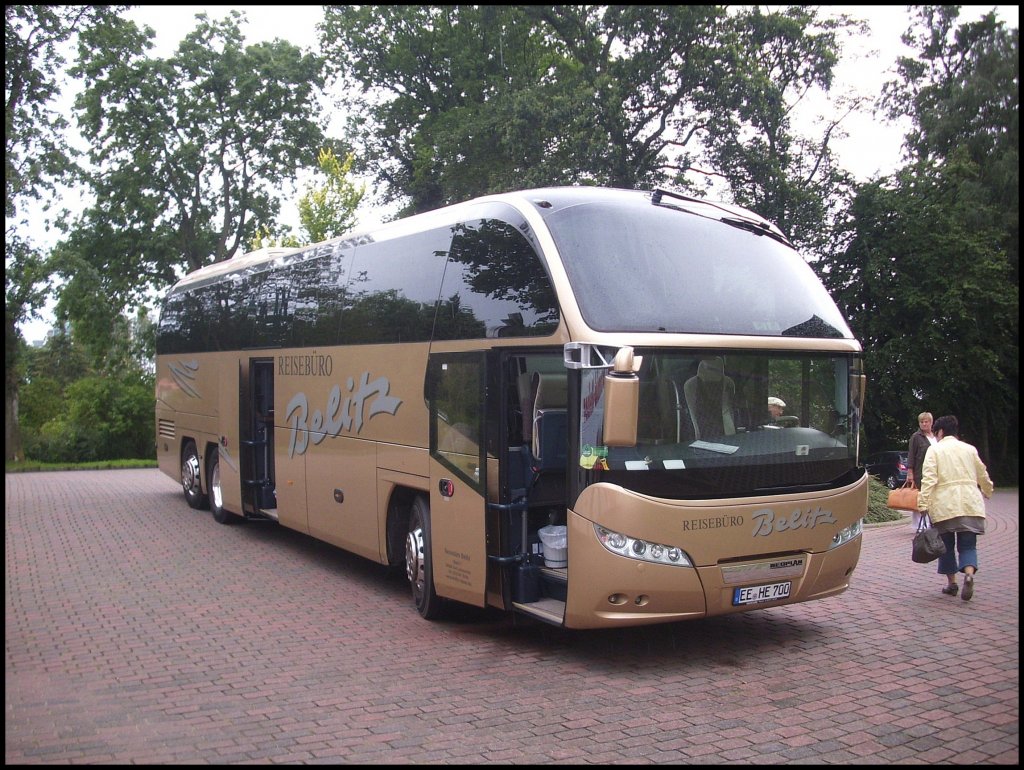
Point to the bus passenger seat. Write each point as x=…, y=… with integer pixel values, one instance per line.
x=550, y=421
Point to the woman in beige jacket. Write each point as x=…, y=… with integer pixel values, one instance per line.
x=953, y=481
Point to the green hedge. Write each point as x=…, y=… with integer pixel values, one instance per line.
x=99, y=418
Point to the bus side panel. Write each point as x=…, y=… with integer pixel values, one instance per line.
x=291, y=483
x=341, y=483
x=186, y=400
x=187, y=383
x=404, y=459
x=168, y=451
x=331, y=407
x=229, y=441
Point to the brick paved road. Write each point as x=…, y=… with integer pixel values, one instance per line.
x=140, y=631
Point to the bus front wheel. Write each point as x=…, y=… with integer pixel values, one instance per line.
x=216, y=491
x=418, y=562
x=190, y=477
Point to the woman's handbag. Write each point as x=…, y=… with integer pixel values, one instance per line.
x=904, y=498
x=928, y=545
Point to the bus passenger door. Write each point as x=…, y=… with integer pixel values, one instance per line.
x=228, y=445
x=455, y=395
x=256, y=394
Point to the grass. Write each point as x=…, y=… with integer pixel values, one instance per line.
x=26, y=466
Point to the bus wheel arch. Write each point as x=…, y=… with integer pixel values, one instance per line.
x=418, y=562
x=397, y=526
x=191, y=480
x=215, y=491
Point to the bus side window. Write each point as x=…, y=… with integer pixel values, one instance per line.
x=495, y=285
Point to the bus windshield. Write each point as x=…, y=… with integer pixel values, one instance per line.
x=729, y=424
x=679, y=271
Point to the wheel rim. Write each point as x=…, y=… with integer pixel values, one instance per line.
x=218, y=497
x=415, y=569
x=190, y=474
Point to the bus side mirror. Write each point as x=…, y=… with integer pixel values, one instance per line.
x=622, y=399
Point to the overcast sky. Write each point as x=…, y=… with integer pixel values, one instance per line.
x=872, y=146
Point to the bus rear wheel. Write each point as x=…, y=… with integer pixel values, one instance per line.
x=216, y=491
x=419, y=568
x=190, y=477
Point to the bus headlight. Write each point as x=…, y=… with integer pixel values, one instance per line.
x=846, y=534
x=642, y=550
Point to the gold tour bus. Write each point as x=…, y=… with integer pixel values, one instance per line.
x=553, y=402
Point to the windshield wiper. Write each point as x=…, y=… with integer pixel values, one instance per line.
x=734, y=218
x=758, y=228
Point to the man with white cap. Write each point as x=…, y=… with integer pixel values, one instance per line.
x=775, y=407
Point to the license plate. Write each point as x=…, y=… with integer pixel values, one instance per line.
x=755, y=594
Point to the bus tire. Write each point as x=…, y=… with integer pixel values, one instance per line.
x=190, y=482
x=419, y=568
x=216, y=492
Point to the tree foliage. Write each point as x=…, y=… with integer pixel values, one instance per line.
x=775, y=60
x=326, y=210
x=329, y=210
x=36, y=158
x=454, y=102
x=187, y=155
x=963, y=93
x=190, y=151
x=78, y=407
x=36, y=154
x=929, y=280
x=446, y=101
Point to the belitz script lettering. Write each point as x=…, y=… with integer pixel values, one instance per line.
x=766, y=522
x=371, y=398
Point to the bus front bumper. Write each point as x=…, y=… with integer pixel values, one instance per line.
x=607, y=590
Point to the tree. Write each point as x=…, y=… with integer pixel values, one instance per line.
x=36, y=158
x=929, y=280
x=793, y=180
x=963, y=93
x=467, y=100
x=325, y=211
x=645, y=83
x=80, y=407
x=329, y=211
x=441, y=98
x=187, y=155
x=458, y=101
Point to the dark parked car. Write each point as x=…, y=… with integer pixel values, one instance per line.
x=889, y=467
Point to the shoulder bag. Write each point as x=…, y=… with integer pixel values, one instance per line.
x=928, y=545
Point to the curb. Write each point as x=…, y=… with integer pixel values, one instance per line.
x=904, y=518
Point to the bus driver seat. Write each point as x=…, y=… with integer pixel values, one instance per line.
x=709, y=398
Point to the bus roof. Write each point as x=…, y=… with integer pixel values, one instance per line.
x=545, y=200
